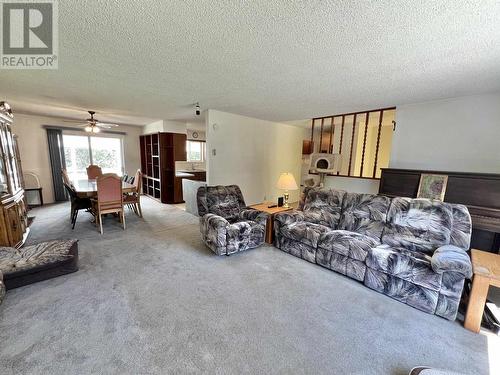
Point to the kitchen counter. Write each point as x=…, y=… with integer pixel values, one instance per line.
x=183, y=174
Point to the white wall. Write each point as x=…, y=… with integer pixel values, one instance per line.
x=353, y=185
x=34, y=148
x=169, y=126
x=459, y=134
x=252, y=153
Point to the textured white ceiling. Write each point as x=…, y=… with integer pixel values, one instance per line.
x=271, y=59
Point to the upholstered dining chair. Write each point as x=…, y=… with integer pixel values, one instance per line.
x=109, y=198
x=133, y=199
x=93, y=171
x=65, y=177
x=77, y=204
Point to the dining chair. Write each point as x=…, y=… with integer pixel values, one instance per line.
x=65, y=177
x=133, y=199
x=93, y=171
x=77, y=203
x=109, y=198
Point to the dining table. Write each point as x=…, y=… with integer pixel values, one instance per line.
x=87, y=188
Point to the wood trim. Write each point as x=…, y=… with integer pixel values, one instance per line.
x=357, y=113
x=343, y=175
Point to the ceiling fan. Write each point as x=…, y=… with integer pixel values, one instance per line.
x=93, y=125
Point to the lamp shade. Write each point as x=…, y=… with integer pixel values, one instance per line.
x=286, y=182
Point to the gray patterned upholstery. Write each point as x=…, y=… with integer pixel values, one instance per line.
x=38, y=262
x=418, y=224
x=2, y=288
x=323, y=206
x=413, y=250
x=226, y=225
x=364, y=213
x=15, y=260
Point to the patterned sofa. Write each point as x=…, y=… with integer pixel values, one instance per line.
x=227, y=226
x=413, y=250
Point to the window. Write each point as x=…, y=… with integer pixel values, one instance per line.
x=81, y=150
x=363, y=140
x=195, y=151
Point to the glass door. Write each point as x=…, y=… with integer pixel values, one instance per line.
x=77, y=156
x=107, y=154
x=80, y=151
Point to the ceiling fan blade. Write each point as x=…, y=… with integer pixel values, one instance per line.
x=74, y=121
x=106, y=125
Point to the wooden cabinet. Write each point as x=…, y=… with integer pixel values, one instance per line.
x=159, y=152
x=13, y=215
x=196, y=176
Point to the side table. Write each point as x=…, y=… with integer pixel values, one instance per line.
x=486, y=269
x=270, y=220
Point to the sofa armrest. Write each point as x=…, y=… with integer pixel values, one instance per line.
x=288, y=217
x=214, y=232
x=254, y=215
x=451, y=258
x=215, y=222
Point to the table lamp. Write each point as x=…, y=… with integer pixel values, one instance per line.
x=286, y=182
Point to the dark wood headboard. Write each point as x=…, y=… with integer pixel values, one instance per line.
x=480, y=192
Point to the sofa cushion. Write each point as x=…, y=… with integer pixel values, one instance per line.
x=229, y=210
x=2, y=288
x=345, y=265
x=209, y=196
x=418, y=224
x=364, y=213
x=462, y=227
x=323, y=206
x=304, y=232
x=411, y=266
x=350, y=244
x=243, y=235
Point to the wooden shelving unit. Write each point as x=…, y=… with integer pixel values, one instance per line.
x=159, y=152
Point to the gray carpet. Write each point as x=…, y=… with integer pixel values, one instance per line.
x=153, y=300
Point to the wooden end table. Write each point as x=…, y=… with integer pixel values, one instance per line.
x=486, y=268
x=270, y=220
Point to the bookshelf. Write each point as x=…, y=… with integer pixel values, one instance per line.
x=159, y=152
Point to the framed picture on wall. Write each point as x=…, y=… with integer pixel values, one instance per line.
x=432, y=186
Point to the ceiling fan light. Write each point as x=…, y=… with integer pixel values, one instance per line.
x=88, y=129
x=96, y=129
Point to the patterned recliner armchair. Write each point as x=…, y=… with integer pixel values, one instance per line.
x=227, y=226
x=413, y=250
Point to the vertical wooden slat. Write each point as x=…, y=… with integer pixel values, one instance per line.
x=321, y=135
x=352, y=143
x=312, y=131
x=332, y=133
x=381, y=116
x=364, y=145
x=341, y=134
x=341, y=137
